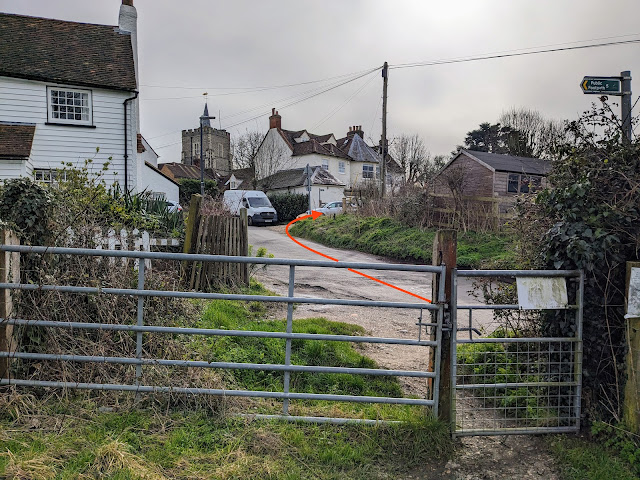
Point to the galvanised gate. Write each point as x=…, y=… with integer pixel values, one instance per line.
x=428, y=333
x=502, y=381
x=511, y=379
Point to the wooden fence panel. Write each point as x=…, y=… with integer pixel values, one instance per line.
x=219, y=236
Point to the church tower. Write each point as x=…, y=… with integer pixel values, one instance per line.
x=216, y=146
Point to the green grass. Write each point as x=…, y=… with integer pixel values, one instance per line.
x=232, y=315
x=83, y=443
x=387, y=237
x=580, y=459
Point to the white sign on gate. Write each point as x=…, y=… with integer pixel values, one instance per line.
x=633, y=305
x=541, y=293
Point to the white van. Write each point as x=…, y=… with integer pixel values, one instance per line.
x=259, y=208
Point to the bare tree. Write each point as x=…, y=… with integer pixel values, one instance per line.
x=414, y=158
x=245, y=149
x=530, y=134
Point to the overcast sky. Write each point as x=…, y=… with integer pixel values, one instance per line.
x=196, y=46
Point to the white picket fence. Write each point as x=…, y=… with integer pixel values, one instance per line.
x=124, y=240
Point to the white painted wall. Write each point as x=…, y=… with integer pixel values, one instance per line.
x=25, y=101
x=273, y=155
x=153, y=181
x=14, y=169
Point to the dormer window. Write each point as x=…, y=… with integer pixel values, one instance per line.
x=70, y=106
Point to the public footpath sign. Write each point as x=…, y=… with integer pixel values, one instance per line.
x=602, y=85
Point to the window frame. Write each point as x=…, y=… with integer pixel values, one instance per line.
x=325, y=164
x=66, y=121
x=519, y=179
x=368, y=171
x=342, y=168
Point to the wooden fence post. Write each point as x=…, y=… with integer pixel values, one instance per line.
x=445, y=246
x=191, y=235
x=244, y=245
x=9, y=273
x=631, y=404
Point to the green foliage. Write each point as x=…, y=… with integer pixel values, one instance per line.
x=595, y=215
x=289, y=205
x=233, y=315
x=28, y=206
x=620, y=440
x=191, y=186
x=580, y=459
x=388, y=237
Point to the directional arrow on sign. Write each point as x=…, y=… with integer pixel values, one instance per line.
x=602, y=85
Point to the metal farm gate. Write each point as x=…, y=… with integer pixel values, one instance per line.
x=508, y=377
x=427, y=334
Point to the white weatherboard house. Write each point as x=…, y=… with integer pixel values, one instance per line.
x=346, y=163
x=68, y=89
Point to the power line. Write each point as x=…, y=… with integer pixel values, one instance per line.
x=259, y=88
x=307, y=97
x=516, y=53
x=340, y=107
x=294, y=101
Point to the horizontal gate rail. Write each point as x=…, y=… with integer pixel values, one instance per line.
x=138, y=328
x=214, y=296
x=218, y=391
x=400, y=267
x=221, y=365
x=217, y=332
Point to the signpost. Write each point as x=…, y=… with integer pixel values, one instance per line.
x=308, y=171
x=617, y=86
x=602, y=85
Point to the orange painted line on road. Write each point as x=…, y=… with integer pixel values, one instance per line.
x=315, y=215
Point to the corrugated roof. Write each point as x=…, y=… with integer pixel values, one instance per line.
x=16, y=140
x=71, y=53
x=511, y=163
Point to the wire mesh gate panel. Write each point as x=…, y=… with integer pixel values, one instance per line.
x=509, y=374
x=140, y=327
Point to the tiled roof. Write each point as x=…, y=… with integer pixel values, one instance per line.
x=16, y=140
x=71, y=53
x=511, y=163
x=180, y=170
x=296, y=177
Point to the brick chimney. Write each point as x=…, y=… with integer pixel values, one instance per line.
x=275, y=120
x=355, y=129
x=128, y=22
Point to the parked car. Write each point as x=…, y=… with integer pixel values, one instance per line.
x=332, y=208
x=173, y=207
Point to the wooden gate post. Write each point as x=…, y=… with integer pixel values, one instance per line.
x=632, y=387
x=445, y=246
x=9, y=273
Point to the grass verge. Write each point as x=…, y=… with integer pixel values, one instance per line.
x=387, y=237
x=75, y=440
x=581, y=459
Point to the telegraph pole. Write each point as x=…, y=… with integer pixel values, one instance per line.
x=625, y=105
x=383, y=147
